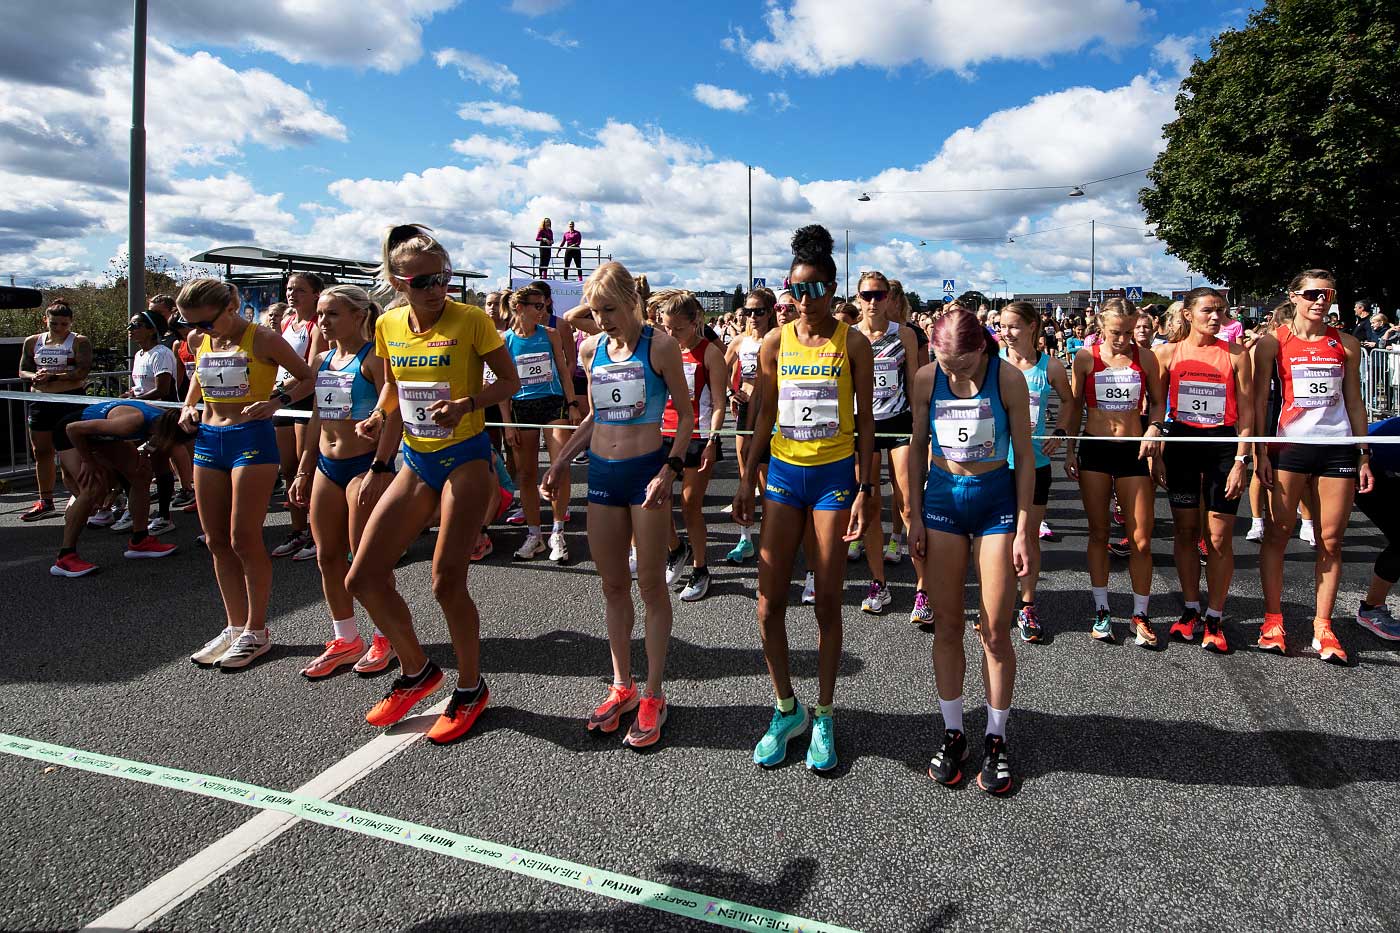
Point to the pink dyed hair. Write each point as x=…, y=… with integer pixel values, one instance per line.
x=958, y=331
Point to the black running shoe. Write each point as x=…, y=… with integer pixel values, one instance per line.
x=996, y=767
x=946, y=766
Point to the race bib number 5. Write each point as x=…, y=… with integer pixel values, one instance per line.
x=414, y=400
x=966, y=429
x=809, y=411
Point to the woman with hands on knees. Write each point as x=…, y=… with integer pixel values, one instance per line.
x=339, y=479
x=235, y=456
x=971, y=409
x=632, y=368
x=434, y=349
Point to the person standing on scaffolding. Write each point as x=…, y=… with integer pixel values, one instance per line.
x=572, y=239
x=545, y=238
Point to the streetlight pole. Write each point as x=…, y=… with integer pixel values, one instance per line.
x=750, y=282
x=848, y=265
x=136, y=193
x=1093, y=246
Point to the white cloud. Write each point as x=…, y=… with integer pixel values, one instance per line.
x=779, y=100
x=472, y=67
x=558, y=38
x=1178, y=53
x=493, y=113
x=818, y=36
x=488, y=148
x=536, y=7
x=720, y=98
x=385, y=35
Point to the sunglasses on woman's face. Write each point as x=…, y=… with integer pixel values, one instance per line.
x=429, y=280
x=784, y=308
x=802, y=290
x=1314, y=294
x=208, y=325
x=873, y=296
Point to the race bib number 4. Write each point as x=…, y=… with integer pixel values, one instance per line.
x=333, y=392
x=415, y=398
x=966, y=429
x=223, y=375
x=1118, y=389
x=1201, y=403
x=1317, y=385
x=887, y=377
x=535, y=368
x=810, y=410
x=619, y=391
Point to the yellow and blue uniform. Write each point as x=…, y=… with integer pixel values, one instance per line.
x=970, y=430
x=813, y=446
x=628, y=391
x=344, y=394
x=439, y=364
x=235, y=377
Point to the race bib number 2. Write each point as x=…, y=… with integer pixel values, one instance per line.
x=810, y=410
x=415, y=398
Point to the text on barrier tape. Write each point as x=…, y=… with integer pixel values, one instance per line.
x=507, y=858
x=729, y=432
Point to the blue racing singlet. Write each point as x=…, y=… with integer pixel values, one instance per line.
x=969, y=430
x=149, y=414
x=629, y=391
x=345, y=394
x=534, y=361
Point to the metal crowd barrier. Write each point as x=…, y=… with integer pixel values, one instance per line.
x=1380, y=382
x=17, y=459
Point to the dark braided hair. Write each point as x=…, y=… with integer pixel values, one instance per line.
x=812, y=246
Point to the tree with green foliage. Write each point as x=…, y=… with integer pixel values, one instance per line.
x=972, y=299
x=1285, y=151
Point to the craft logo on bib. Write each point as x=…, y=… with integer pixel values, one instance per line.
x=223, y=375
x=535, y=368
x=619, y=391
x=810, y=409
x=1118, y=389
x=966, y=429
x=333, y=394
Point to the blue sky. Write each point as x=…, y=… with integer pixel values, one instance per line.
x=295, y=126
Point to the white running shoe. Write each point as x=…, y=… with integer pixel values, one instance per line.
x=245, y=649
x=532, y=548
x=215, y=647
x=159, y=526
x=1307, y=533
x=1255, y=533
x=809, y=590
x=123, y=524
x=306, y=553
x=558, y=547
x=676, y=564
x=102, y=518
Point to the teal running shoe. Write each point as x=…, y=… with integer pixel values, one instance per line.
x=1103, y=626
x=741, y=552
x=772, y=748
x=821, y=751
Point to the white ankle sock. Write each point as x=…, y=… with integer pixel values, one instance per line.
x=952, y=713
x=1100, y=597
x=345, y=629
x=1140, y=604
x=996, y=720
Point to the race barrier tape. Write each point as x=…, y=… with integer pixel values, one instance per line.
x=626, y=888
x=730, y=432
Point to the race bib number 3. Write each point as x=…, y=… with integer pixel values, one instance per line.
x=619, y=391
x=1316, y=385
x=1200, y=403
x=1118, y=389
x=414, y=400
x=887, y=377
x=223, y=375
x=966, y=429
x=333, y=392
x=535, y=368
x=809, y=411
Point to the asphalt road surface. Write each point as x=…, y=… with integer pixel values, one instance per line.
x=1173, y=789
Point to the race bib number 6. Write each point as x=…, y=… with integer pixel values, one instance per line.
x=618, y=391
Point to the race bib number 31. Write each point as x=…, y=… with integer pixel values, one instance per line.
x=809, y=411
x=414, y=401
x=1316, y=385
x=1118, y=389
x=1201, y=403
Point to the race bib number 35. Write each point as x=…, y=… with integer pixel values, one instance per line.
x=966, y=429
x=1316, y=385
x=1118, y=389
x=809, y=411
x=223, y=375
x=414, y=400
x=619, y=391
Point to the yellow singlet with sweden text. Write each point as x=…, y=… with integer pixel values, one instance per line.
x=816, y=400
x=234, y=376
x=442, y=363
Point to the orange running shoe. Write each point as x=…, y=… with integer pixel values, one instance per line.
x=379, y=656
x=403, y=695
x=1213, y=638
x=460, y=716
x=338, y=654
x=1271, y=633
x=1184, y=629
x=646, y=730
x=620, y=700
x=1325, y=643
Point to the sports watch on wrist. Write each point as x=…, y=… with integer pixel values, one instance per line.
x=677, y=465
